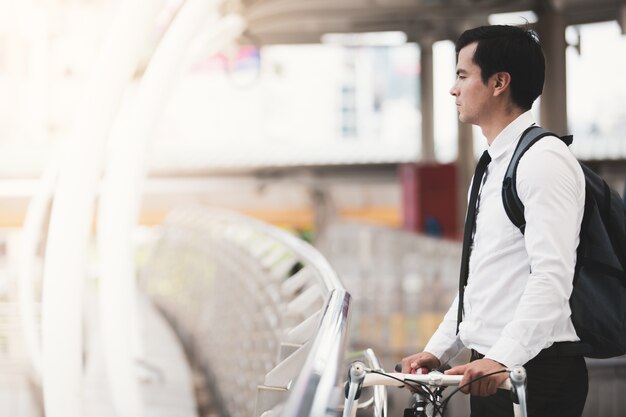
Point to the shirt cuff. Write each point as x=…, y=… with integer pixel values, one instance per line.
x=508, y=352
x=444, y=352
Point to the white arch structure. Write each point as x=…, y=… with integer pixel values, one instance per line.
x=73, y=180
x=121, y=191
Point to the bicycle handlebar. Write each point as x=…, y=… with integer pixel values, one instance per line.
x=360, y=377
x=435, y=379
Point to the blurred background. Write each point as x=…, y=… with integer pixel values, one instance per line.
x=163, y=164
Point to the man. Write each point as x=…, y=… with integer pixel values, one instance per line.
x=515, y=304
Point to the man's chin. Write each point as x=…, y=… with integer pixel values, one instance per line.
x=465, y=119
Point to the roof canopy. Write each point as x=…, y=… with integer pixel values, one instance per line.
x=305, y=21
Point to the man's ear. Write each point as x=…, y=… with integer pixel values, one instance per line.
x=502, y=81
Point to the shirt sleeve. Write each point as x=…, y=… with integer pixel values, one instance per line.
x=550, y=183
x=445, y=343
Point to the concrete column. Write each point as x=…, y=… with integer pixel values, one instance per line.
x=466, y=163
x=551, y=29
x=426, y=100
x=324, y=210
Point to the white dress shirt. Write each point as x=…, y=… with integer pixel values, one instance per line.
x=517, y=295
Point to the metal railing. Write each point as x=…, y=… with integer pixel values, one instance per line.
x=260, y=312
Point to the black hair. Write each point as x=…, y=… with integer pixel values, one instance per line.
x=509, y=49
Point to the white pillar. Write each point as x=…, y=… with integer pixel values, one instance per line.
x=33, y=50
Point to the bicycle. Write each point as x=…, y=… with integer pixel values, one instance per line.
x=427, y=388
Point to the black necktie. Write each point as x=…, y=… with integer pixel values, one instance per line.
x=470, y=223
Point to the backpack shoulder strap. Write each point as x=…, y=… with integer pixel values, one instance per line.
x=512, y=204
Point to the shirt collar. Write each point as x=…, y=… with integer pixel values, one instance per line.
x=510, y=134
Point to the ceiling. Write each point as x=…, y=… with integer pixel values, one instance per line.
x=305, y=21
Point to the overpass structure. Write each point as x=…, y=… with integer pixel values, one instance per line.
x=428, y=21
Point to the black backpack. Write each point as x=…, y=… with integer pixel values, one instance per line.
x=598, y=300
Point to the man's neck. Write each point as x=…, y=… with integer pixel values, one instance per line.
x=497, y=125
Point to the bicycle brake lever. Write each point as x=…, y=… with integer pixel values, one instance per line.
x=423, y=370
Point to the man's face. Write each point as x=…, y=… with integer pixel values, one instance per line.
x=472, y=95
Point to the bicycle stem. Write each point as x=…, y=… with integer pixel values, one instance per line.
x=356, y=375
x=518, y=382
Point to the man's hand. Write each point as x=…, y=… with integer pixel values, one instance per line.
x=486, y=386
x=412, y=363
